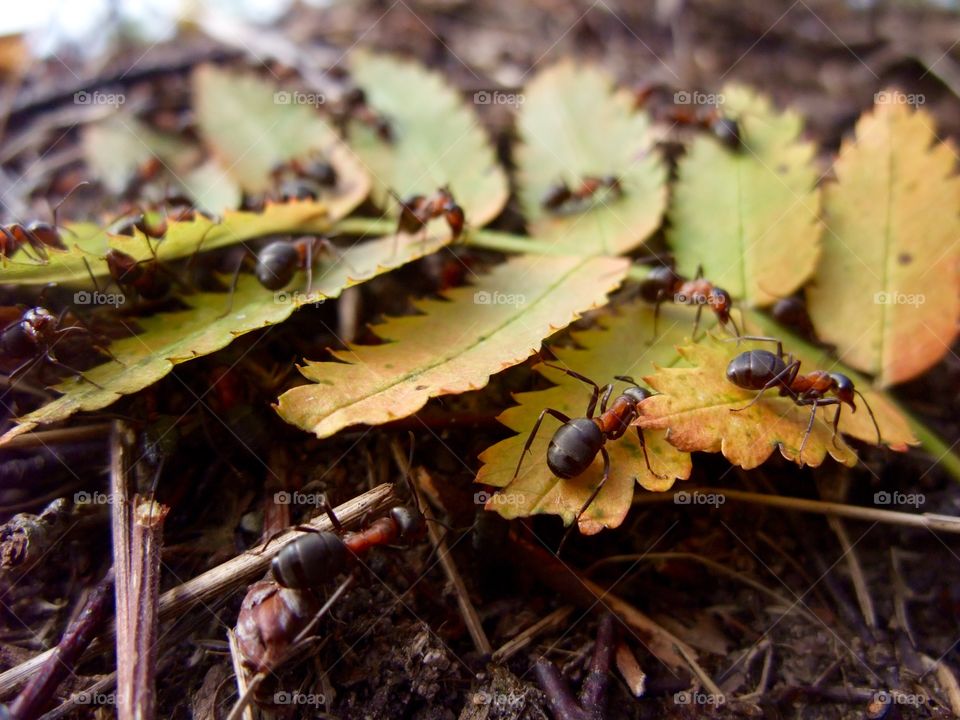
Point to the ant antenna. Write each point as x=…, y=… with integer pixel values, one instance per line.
x=872, y=416
x=70, y=192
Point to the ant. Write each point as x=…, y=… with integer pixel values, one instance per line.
x=307, y=177
x=356, y=107
x=724, y=129
x=32, y=335
x=38, y=235
x=417, y=210
x=149, y=221
x=664, y=283
x=762, y=370
x=560, y=196
x=575, y=444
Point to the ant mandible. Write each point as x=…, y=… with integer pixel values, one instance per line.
x=560, y=196
x=664, y=283
x=762, y=370
x=38, y=235
x=575, y=444
x=417, y=210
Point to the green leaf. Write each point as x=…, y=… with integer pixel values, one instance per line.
x=172, y=338
x=574, y=123
x=437, y=139
x=886, y=292
x=454, y=346
x=750, y=217
x=621, y=346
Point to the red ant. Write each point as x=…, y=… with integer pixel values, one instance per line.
x=575, y=444
x=32, y=335
x=762, y=370
x=416, y=211
x=38, y=236
x=561, y=196
x=153, y=224
x=724, y=129
x=663, y=283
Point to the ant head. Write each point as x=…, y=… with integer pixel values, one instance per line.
x=637, y=394
x=277, y=263
x=455, y=219
x=409, y=521
x=844, y=389
x=721, y=303
x=39, y=322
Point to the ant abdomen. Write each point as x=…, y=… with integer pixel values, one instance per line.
x=409, y=522
x=310, y=560
x=752, y=370
x=573, y=447
x=277, y=263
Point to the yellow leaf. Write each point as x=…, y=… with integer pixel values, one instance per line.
x=621, y=347
x=575, y=124
x=749, y=216
x=454, y=346
x=886, y=292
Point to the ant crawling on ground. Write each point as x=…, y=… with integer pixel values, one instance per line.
x=763, y=370
x=665, y=284
x=575, y=444
x=31, y=335
x=38, y=236
x=417, y=210
x=561, y=197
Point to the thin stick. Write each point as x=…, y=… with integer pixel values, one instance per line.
x=243, y=686
x=223, y=579
x=512, y=647
x=49, y=437
x=926, y=521
x=856, y=572
x=698, y=670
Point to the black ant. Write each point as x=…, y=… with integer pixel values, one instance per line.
x=560, y=196
x=762, y=370
x=32, y=334
x=664, y=283
x=416, y=211
x=38, y=236
x=575, y=444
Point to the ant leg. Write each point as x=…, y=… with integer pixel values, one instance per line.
x=759, y=338
x=589, y=502
x=696, y=322
x=813, y=416
x=646, y=458
x=656, y=314
x=596, y=388
x=327, y=508
x=233, y=288
x=777, y=379
x=699, y=275
x=872, y=417
x=533, y=433
x=736, y=330
x=608, y=390
x=56, y=363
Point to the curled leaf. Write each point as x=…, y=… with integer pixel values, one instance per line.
x=749, y=217
x=621, y=347
x=887, y=289
x=454, y=346
x=575, y=124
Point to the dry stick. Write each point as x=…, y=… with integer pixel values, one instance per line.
x=64, y=657
x=927, y=521
x=512, y=647
x=223, y=579
x=243, y=685
x=856, y=572
x=43, y=438
x=84, y=698
x=707, y=681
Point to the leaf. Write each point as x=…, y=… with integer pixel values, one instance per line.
x=749, y=216
x=886, y=290
x=172, y=338
x=90, y=242
x=250, y=129
x=696, y=405
x=621, y=347
x=437, y=139
x=455, y=346
x=574, y=123
x=211, y=187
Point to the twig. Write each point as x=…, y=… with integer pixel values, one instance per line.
x=856, y=572
x=44, y=438
x=64, y=657
x=223, y=579
x=243, y=685
x=83, y=698
x=510, y=648
x=698, y=670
